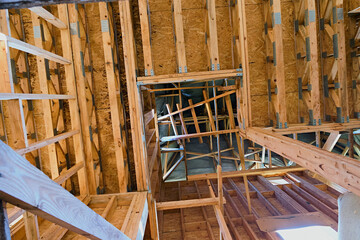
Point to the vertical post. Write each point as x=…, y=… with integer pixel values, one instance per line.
x=78, y=56
x=4, y=222
x=339, y=41
x=179, y=37
x=278, y=53
x=145, y=35
x=73, y=104
x=120, y=153
x=313, y=59
x=136, y=112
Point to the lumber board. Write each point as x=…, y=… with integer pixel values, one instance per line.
x=33, y=191
x=49, y=17
x=162, y=206
x=23, y=46
x=189, y=77
x=114, y=104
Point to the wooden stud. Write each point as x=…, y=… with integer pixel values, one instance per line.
x=73, y=104
x=108, y=43
x=136, y=119
x=179, y=37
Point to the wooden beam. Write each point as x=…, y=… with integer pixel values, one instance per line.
x=196, y=135
x=212, y=36
x=279, y=64
x=43, y=81
x=68, y=173
x=196, y=105
x=332, y=166
x=189, y=77
x=331, y=141
x=108, y=43
x=78, y=56
x=252, y=172
x=23, y=46
x=73, y=105
x=220, y=217
x=314, y=62
x=27, y=96
x=49, y=17
x=144, y=13
x=25, y=189
x=162, y=206
x=46, y=142
x=179, y=37
x=9, y=4
x=339, y=40
x=136, y=114
x=134, y=227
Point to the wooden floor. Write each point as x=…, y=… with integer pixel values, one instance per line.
x=290, y=194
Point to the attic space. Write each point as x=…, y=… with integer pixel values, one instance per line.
x=179, y=119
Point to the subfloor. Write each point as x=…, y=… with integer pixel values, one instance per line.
x=294, y=193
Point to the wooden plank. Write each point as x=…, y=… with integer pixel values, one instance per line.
x=26, y=96
x=189, y=77
x=193, y=113
x=46, y=142
x=250, y=172
x=196, y=135
x=173, y=167
x=196, y=105
x=25, y=189
x=179, y=37
x=161, y=206
x=135, y=227
x=78, y=56
x=38, y=3
x=340, y=34
x=325, y=198
x=279, y=64
x=64, y=175
x=220, y=217
x=209, y=111
x=23, y=46
x=110, y=207
x=114, y=108
x=271, y=224
x=286, y=200
x=314, y=62
x=49, y=17
x=212, y=36
x=331, y=141
x=144, y=13
x=49, y=128
x=136, y=114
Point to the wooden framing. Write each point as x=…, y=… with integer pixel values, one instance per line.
x=115, y=103
x=179, y=37
x=334, y=58
x=276, y=67
x=85, y=90
x=308, y=62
